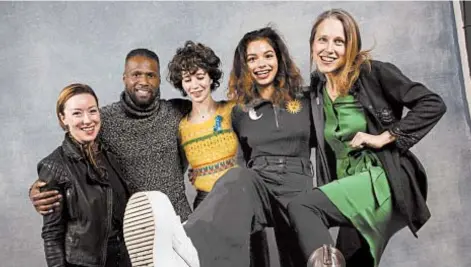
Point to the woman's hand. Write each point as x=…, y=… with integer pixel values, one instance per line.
x=374, y=141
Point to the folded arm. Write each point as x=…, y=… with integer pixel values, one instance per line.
x=425, y=107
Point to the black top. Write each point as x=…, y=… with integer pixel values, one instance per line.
x=276, y=132
x=119, y=197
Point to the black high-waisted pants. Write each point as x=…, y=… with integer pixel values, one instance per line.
x=245, y=201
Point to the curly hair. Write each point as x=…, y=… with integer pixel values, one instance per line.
x=288, y=80
x=191, y=57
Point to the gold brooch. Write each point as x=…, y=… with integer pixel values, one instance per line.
x=294, y=106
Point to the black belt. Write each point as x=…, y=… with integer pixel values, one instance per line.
x=279, y=160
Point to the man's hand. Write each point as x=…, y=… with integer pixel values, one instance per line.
x=374, y=141
x=44, y=202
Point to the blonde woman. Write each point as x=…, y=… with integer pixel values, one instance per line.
x=370, y=184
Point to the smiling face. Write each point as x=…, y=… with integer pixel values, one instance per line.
x=262, y=62
x=328, y=47
x=81, y=117
x=197, y=86
x=142, y=80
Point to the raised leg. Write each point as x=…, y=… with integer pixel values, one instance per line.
x=153, y=233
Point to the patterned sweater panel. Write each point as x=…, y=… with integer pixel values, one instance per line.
x=210, y=146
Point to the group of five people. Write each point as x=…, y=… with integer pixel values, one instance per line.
x=249, y=158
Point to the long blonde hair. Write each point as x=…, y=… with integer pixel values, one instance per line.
x=354, y=56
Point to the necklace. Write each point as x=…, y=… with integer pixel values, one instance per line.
x=206, y=114
x=201, y=115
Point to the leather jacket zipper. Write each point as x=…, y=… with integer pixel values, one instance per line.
x=109, y=203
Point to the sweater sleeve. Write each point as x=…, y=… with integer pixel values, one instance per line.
x=182, y=106
x=425, y=107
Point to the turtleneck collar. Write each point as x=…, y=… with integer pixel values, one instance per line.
x=142, y=112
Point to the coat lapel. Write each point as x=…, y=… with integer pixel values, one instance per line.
x=317, y=109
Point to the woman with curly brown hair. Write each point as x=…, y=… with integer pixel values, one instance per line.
x=205, y=134
x=272, y=121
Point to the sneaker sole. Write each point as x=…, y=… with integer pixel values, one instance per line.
x=140, y=230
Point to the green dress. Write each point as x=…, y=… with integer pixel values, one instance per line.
x=362, y=191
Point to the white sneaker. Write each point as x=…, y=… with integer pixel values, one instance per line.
x=183, y=246
x=151, y=228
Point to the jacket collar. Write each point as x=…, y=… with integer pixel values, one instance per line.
x=71, y=149
x=256, y=102
x=318, y=81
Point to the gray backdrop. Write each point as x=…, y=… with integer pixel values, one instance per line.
x=45, y=46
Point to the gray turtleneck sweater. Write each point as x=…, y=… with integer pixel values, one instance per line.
x=146, y=146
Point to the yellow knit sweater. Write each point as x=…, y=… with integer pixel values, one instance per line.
x=210, y=146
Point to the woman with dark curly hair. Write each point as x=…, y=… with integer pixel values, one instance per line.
x=205, y=134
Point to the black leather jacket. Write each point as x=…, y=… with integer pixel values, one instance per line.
x=78, y=232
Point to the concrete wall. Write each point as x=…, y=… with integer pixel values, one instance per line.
x=44, y=46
